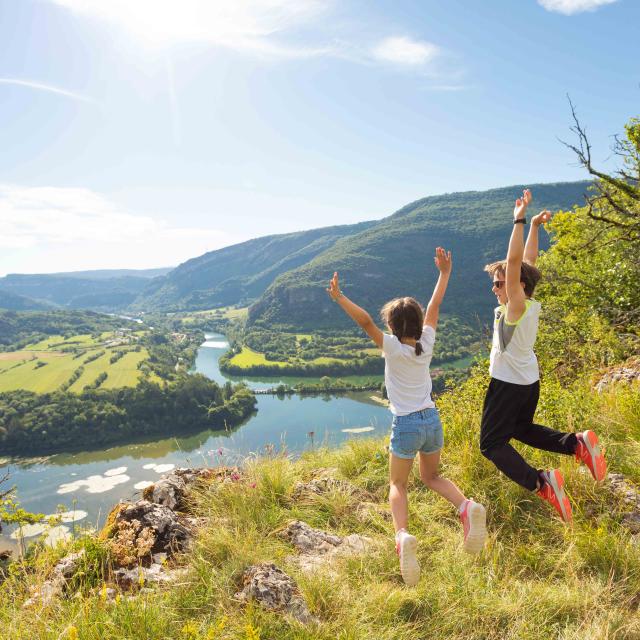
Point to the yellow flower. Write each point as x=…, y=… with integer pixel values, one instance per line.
x=214, y=631
x=103, y=592
x=190, y=630
x=73, y=633
x=252, y=632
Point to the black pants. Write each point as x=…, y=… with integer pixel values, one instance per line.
x=508, y=413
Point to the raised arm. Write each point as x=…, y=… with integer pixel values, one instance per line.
x=531, y=247
x=443, y=262
x=515, y=293
x=356, y=313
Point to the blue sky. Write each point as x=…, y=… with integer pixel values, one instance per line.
x=140, y=133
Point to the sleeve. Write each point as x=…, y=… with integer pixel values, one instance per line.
x=428, y=339
x=390, y=345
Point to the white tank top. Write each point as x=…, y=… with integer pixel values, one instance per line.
x=512, y=357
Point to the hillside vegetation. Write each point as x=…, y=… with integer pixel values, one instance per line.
x=395, y=258
x=99, y=290
x=239, y=273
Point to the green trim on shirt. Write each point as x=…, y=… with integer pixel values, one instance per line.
x=527, y=304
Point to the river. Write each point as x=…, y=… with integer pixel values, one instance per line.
x=85, y=485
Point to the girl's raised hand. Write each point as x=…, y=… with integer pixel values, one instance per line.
x=541, y=218
x=443, y=260
x=521, y=205
x=334, y=287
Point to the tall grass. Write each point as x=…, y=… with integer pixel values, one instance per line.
x=536, y=579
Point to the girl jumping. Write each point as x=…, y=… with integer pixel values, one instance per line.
x=416, y=426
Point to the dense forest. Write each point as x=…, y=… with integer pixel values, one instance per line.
x=240, y=273
x=18, y=329
x=34, y=424
x=395, y=257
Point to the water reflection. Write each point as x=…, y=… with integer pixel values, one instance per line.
x=289, y=423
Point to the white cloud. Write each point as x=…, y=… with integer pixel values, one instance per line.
x=236, y=24
x=75, y=228
x=405, y=51
x=569, y=7
x=41, y=86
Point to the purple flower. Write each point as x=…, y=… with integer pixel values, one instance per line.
x=235, y=476
x=220, y=452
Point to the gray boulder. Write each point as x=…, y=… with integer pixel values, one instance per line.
x=273, y=589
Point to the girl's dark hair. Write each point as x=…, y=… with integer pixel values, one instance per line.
x=404, y=317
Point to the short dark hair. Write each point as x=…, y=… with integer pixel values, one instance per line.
x=528, y=274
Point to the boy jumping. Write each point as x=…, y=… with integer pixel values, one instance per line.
x=512, y=396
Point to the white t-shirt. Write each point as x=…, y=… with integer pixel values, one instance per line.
x=512, y=358
x=406, y=375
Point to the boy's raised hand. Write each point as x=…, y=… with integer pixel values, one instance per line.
x=520, y=208
x=541, y=218
x=334, y=287
x=443, y=260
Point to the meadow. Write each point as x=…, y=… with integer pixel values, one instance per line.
x=537, y=577
x=46, y=365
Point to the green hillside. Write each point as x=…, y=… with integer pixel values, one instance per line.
x=239, y=273
x=17, y=302
x=76, y=291
x=395, y=257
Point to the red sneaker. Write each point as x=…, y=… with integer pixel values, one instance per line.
x=553, y=492
x=474, y=522
x=588, y=451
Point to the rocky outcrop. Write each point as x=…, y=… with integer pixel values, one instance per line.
x=627, y=373
x=55, y=585
x=324, y=481
x=629, y=496
x=272, y=588
x=135, y=531
x=138, y=577
x=173, y=489
x=318, y=549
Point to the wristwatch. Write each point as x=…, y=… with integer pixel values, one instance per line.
x=520, y=220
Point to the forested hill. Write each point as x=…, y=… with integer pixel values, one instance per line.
x=395, y=257
x=240, y=273
x=17, y=302
x=81, y=290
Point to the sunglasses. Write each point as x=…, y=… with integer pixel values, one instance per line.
x=498, y=284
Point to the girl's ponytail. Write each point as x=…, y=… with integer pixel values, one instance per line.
x=404, y=317
x=419, y=348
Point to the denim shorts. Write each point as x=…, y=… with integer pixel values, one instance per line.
x=418, y=431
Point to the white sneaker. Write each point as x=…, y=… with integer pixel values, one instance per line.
x=406, y=547
x=474, y=521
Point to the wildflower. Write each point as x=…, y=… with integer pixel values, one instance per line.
x=253, y=485
x=235, y=476
x=141, y=578
x=73, y=633
x=220, y=451
x=103, y=592
x=252, y=632
x=215, y=631
x=190, y=630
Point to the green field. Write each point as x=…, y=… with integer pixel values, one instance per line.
x=19, y=370
x=222, y=313
x=249, y=358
